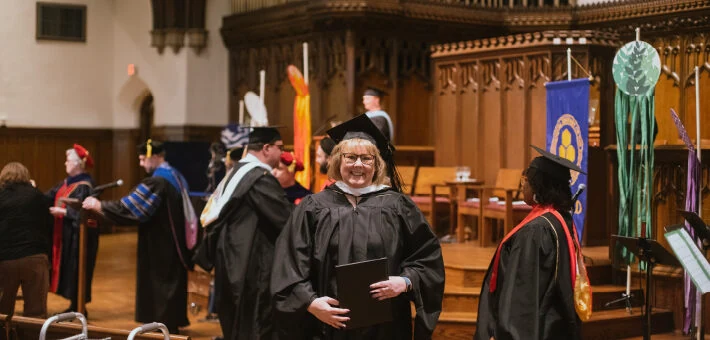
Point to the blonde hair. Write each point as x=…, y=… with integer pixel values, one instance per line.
x=14, y=172
x=336, y=159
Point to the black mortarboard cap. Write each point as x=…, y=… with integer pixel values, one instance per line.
x=327, y=144
x=151, y=147
x=362, y=127
x=264, y=135
x=553, y=165
x=236, y=153
x=374, y=91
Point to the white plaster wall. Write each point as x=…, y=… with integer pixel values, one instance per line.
x=63, y=84
x=53, y=83
x=207, y=73
x=164, y=74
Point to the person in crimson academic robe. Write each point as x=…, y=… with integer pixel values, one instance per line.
x=528, y=291
x=363, y=216
x=161, y=208
x=243, y=219
x=65, y=243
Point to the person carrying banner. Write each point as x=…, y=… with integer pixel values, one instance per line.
x=166, y=221
x=243, y=218
x=530, y=289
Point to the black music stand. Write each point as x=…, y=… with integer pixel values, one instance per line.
x=703, y=233
x=652, y=253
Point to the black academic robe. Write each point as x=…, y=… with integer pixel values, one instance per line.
x=534, y=298
x=296, y=192
x=163, y=258
x=324, y=231
x=68, y=261
x=242, y=252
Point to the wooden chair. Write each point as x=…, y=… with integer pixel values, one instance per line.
x=407, y=174
x=431, y=194
x=506, y=189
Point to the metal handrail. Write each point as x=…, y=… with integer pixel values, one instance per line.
x=66, y=317
x=148, y=328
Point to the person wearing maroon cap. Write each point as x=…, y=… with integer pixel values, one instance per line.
x=285, y=173
x=65, y=241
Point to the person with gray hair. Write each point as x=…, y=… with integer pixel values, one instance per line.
x=65, y=241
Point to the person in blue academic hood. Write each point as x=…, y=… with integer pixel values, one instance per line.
x=161, y=208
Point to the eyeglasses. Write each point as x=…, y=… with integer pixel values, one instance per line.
x=280, y=146
x=351, y=158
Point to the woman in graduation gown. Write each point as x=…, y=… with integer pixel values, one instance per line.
x=362, y=216
x=65, y=244
x=528, y=291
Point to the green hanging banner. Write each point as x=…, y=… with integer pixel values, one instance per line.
x=636, y=69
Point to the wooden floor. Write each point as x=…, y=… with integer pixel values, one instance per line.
x=114, y=290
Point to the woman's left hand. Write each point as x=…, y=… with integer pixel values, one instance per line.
x=388, y=289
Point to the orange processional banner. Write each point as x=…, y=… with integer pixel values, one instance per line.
x=301, y=124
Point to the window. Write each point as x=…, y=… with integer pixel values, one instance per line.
x=61, y=22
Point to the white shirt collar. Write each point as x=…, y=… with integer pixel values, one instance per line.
x=359, y=191
x=249, y=158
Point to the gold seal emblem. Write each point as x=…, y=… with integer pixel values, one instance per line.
x=566, y=130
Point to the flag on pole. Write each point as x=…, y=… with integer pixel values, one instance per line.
x=301, y=124
x=568, y=134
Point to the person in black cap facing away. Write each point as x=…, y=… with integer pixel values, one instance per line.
x=362, y=216
x=243, y=218
x=371, y=99
x=529, y=289
x=166, y=221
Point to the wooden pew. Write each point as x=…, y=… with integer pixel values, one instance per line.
x=407, y=174
x=20, y=328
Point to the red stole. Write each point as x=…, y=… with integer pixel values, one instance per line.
x=64, y=191
x=538, y=211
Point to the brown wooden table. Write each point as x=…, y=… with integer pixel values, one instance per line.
x=457, y=192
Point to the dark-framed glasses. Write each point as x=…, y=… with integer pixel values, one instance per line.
x=351, y=158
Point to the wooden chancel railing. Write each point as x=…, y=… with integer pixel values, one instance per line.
x=242, y=6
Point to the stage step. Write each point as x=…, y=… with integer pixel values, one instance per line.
x=463, y=276
x=455, y=326
x=611, y=324
x=606, y=293
x=461, y=299
x=618, y=324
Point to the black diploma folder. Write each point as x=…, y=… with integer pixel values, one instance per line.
x=354, y=280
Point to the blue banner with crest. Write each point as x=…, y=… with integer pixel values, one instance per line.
x=568, y=134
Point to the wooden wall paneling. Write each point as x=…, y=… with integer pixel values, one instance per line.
x=285, y=97
x=334, y=95
x=491, y=119
x=514, y=103
x=446, y=89
x=540, y=72
x=412, y=122
x=668, y=89
x=696, y=54
x=471, y=118
x=125, y=162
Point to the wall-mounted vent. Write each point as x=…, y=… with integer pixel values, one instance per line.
x=61, y=22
